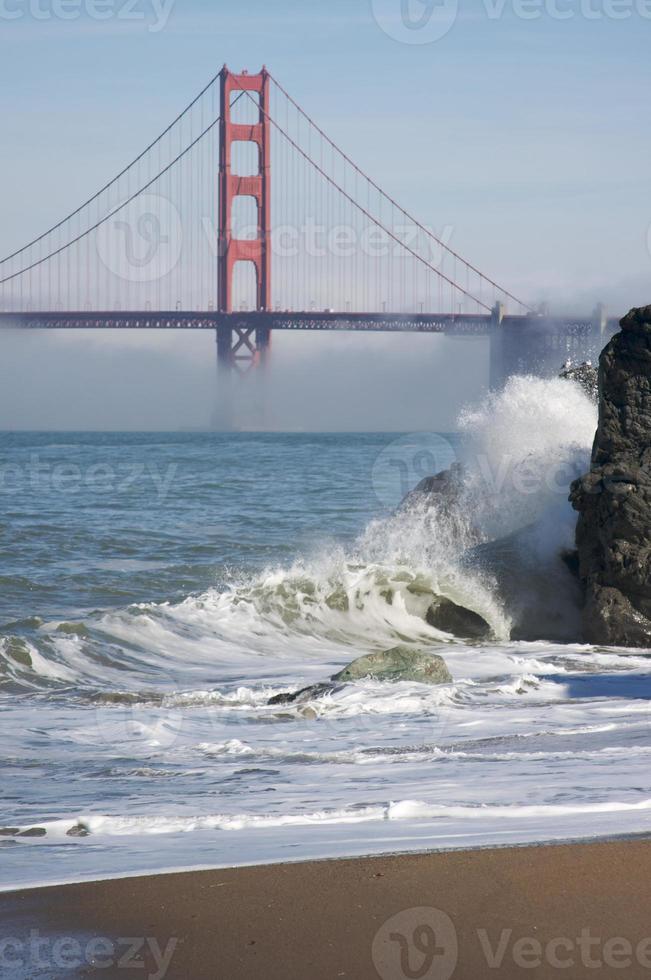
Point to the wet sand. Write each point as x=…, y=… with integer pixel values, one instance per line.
x=572, y=911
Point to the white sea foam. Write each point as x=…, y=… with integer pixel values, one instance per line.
x=523, y=446
x=400, y=811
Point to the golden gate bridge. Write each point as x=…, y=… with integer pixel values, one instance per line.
x=244, y=217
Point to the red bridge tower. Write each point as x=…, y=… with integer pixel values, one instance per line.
x=239, y=344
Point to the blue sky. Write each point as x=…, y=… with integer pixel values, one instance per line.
x=528, y=135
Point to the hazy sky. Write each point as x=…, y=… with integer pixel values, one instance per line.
x=524, y=128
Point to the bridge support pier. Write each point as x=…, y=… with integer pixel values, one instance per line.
x=223, y=406
x=496, y=349
x=540, y=344
x=240, y=349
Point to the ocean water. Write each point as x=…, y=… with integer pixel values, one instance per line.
x=156, y=590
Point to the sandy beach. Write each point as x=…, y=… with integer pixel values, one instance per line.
x=579, y=910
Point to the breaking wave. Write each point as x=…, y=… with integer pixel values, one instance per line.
x=521, y=449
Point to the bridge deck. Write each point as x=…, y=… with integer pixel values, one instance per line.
x=448, y=323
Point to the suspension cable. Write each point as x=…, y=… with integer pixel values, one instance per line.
x=115, y=211
x=120, y=207
x=364, y=211
x=115, y=179
x=391, y=200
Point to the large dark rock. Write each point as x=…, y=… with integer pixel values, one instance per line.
x=442, y=500
x=532, y=582
x=442, y=490
x=463, y=623
x=614, y=499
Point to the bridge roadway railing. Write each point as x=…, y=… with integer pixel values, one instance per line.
x=535, y=324
x=276, y=320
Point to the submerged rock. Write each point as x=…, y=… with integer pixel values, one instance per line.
x=447, y=616
x=79, y=830
x=398, y=664
x=304, y=695
x=613, y=533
